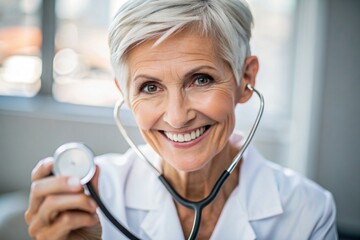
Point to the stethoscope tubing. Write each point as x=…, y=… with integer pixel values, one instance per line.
x=106, y=212
x=197, y=206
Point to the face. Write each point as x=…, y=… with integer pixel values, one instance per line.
x=183, y=97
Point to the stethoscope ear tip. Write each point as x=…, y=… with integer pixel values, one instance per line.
x=250, y=87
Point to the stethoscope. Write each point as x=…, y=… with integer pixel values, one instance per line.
x=76, y=159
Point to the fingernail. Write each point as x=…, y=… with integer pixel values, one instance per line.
x=47, y=162
x=73, y=182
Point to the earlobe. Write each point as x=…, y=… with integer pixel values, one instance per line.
x=250, y=70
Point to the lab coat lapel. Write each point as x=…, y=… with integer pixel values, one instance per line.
x=255, y=198
x=259, y=193
x=162, y=222
x=233, y=222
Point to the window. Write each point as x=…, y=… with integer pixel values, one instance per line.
x=20, y=44
x=74, y=59
x=82, y=70
x=81, y=67
x=289, y=77
x=273, y=42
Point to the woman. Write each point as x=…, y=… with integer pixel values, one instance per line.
x=182, y=66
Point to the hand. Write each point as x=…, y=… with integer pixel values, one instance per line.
x=58, y=207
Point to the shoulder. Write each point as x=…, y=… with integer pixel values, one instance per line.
x=309, y=202
x=294, y=187
x=291, y=186
x=306, y=207
x=311, y=205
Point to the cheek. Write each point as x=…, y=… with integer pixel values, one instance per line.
x=144, y=113
x=217, y=104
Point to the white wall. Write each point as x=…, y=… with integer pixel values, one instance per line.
x=338, y=147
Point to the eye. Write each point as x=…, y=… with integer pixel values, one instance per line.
x=203, y=80
x=149, y=88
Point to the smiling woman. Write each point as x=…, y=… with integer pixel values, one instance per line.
x=182, y=67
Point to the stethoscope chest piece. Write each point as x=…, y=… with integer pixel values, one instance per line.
x=74, y=159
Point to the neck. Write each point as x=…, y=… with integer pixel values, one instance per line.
x=198, y=184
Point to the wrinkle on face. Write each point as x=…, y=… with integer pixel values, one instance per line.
x=213, y=105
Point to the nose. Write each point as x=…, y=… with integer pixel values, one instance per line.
x=179, y=112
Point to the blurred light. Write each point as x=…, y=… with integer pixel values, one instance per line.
x=70, y=9
x=22, y=69
x=30, y=6
x=99, y=92
x=275, y=6
x=67, y=36
x=114, y=7
x=66, y=61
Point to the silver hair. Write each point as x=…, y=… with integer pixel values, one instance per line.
x=227, y=22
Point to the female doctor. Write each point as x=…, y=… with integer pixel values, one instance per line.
x=182, y=67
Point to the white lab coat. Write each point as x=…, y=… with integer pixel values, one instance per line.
x=270, y=202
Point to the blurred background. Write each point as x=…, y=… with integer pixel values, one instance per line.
x=56, y=86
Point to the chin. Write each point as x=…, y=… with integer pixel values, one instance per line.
x=188, y=166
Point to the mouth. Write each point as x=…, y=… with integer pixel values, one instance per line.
x=186, y=137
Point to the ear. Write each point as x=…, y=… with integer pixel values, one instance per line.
x=250, y=70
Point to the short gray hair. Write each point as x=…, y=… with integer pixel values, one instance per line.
x=227, y=22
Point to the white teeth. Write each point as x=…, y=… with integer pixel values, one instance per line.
x=185, y=137
x=197, y=133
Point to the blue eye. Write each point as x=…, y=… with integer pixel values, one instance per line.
x=203, y=80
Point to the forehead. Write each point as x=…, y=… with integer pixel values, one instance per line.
x=184, y=48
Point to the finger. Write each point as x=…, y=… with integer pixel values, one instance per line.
x=50, y=186
x=55, y=204
x=42, y=169
x=60, y=203
x=67, y=222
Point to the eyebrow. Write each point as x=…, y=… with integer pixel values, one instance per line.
x=197, y=69
x=187, y=75
x=147, y=77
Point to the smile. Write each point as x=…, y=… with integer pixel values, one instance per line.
x=187, y=137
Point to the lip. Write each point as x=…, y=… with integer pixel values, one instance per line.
x=190, y=143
